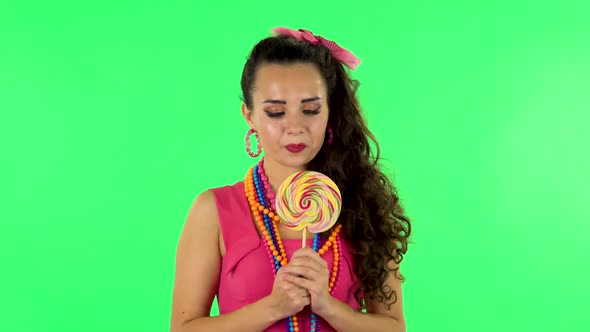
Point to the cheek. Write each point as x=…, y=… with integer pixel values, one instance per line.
x=319, y=129
x=269, y=133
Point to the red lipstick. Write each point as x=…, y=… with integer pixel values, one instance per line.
x=294, y=148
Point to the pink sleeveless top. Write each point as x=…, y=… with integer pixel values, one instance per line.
x=246, y=270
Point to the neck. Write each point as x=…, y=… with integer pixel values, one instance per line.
x=277, y=173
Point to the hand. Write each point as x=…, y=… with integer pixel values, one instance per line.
x=287, y=298
x=308, y=270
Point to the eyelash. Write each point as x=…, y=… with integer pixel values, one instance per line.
x=279, y=114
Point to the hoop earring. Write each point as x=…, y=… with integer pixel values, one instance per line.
x=248, y=144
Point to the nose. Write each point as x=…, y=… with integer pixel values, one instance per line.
x=295, y=125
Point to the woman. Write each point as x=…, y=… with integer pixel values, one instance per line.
x=301, y=106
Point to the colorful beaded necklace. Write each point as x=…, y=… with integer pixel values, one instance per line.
x=261, y=200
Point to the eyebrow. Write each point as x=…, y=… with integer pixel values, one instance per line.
x=278, y=101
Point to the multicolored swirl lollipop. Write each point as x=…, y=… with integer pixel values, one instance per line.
x=308, y=200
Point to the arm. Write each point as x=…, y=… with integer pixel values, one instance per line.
x=198, y=265
x=386, y=315
x=309, y=271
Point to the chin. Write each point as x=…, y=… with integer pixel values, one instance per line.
x=294, y=163
x=299, y=161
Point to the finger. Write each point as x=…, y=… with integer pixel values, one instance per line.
x=304, y=252
x=318, y=269
x=306, y=262
x=298, y=293
x=296, y=268
x=302, y=292
x=304, y=271
x=311, y=286
x=295, y=292
x=310, y=254
x=303, y=301
x=306, y=300
x=289, y=286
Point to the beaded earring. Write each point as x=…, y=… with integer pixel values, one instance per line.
x=330, y=138
x=330, y=134
x=248, y=144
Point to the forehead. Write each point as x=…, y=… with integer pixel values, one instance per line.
x=296, y=80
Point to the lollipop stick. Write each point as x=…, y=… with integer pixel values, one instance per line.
x=304, y=237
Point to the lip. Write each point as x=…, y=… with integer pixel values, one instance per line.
x=294, y=148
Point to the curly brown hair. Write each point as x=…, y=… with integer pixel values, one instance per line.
x=373, y=221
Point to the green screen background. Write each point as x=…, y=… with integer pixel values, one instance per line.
x=114, y=116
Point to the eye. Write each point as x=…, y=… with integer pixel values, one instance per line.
x=274, y=114
x=312, y=112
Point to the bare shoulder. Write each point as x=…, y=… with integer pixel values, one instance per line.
x=203, y=212
x=198, y=262
x=202, y=222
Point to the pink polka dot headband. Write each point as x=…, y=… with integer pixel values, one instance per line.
x=337, y=52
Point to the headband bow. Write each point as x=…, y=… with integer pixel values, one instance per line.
x=337, y=52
